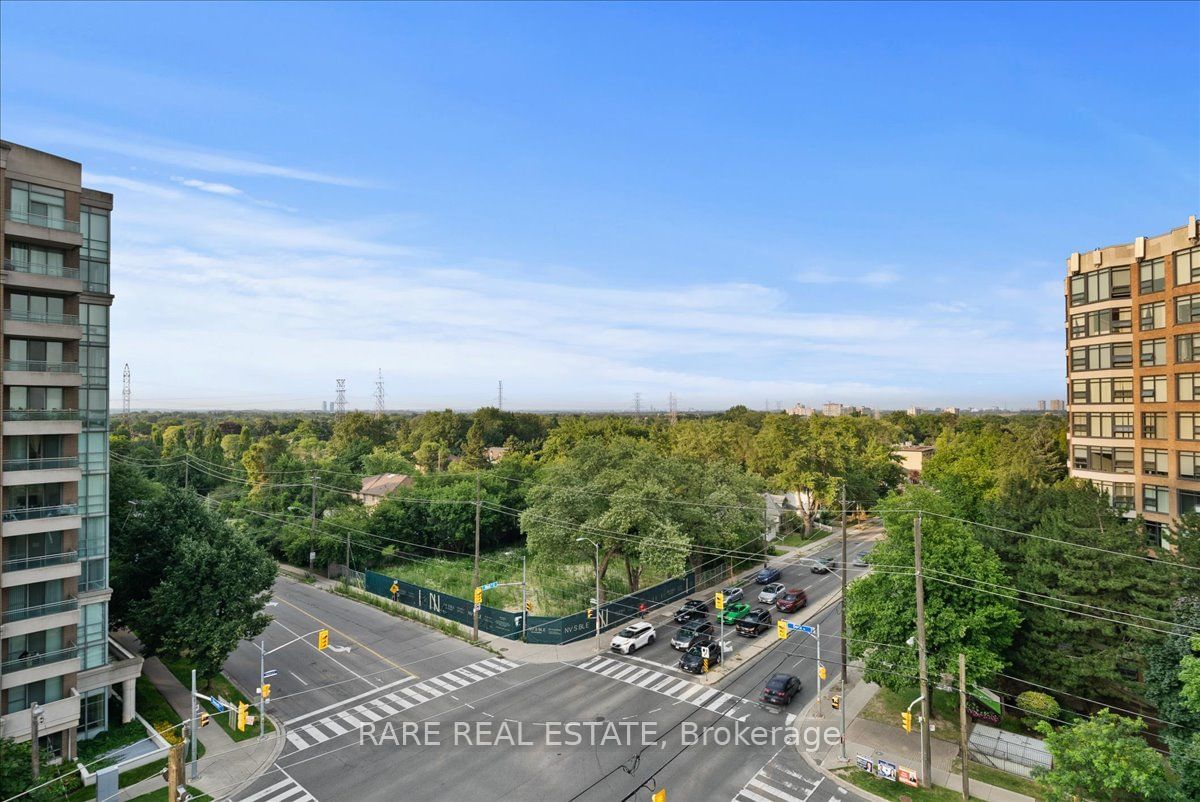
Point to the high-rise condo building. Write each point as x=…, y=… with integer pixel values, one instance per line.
x=1133, y=373
x=58, y=669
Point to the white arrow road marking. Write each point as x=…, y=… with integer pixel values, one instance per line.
x=338, y=649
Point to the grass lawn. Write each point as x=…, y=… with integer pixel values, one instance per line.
x=115, y=738
x=798, y=538
x=220, y=686
x=161, y=795
x=886, y=707
x=894, y=790
x=1002, y=779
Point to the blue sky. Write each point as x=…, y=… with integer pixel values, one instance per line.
x=735, y=203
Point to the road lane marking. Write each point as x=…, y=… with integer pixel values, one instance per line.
x=332, y=628
x=298, y=677
x=297, y=719
x=344, y=667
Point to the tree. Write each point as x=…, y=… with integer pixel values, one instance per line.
x=1173, y=687
x=202, y=584
x=16, y=773
x=1104, y=758
x=881, y=607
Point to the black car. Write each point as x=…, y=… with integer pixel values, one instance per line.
x=690, y=634
x=754, y=622
x=693, y=659
x=781, y=689
x=824, y=565
x=767, y=575
x=691, y=610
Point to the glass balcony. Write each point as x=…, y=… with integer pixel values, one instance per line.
x=19, y=316
x=32, y=660
x=42, y=561
x=41, y=414
x=34, y=269
x=39, y=610
x=42, y=220
x=34, y=513
x=40, y=463
x=41, y=366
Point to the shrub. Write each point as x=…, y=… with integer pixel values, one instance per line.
x=1039, y=706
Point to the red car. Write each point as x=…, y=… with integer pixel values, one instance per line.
x=791, y=600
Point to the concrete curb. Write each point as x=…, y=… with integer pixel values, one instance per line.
x=815, y=765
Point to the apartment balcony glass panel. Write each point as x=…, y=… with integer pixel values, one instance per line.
x=32, y=660
x=50, y=220
x=40, y=463
x=42, y=561
x=35, y=269
x=25, y=316
x=41, y=366
x=38, y=610
x=41, y=414
x=36, y=513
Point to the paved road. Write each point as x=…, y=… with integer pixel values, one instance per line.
x=471, y=725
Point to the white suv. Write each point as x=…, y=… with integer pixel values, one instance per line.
x=633, y=637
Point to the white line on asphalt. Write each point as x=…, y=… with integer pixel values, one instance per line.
x=266, y=791
x=292, y=721
x=297, y=676
x=344, y=667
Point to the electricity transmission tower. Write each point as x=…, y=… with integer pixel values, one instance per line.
x=500, y=394
x=339, y=406
x=672, y=409
x=125, y=392
x=379, y=395
x=637, y=404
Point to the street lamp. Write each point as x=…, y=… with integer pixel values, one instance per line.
x=597, y=545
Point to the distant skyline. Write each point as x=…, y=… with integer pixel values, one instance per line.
x=734, y=203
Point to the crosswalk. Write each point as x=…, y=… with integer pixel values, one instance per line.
x=309, y=735
x=681, y=690
x=286, y=790
x=777, y=783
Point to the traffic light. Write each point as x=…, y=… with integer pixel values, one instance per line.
x=907, y=718
x=835, y=701
x=719, y=600
x=204, y=717
x=479, y=595
x=529, y=606
x=821, y=673
x=782, y=628
x=659, y=796
x=323, y=640
x=266, y=690
x=591, y=614
x=241, y=717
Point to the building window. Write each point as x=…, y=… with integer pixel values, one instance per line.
x=1189, y=462
x=1189, y=501
x=1103, y=321
x=1153, y=353
x=25, y=696
x=1103, y=458
x=93, y=712
x=1189, y=426
x=1153, y=276
x=1154, y=425
x=1153, y=531
x=1103, y=424
x=1156, y=498
x=1100, y=285
x=1102, y=391
x=93, y=635
x=1187, y=348
x=1102, y=357
x=1187, y=309
x=1187, y=266
x=39, y=206
x=1153, y=316
x=1154, y=462
x=1187, y=387
x=1154, y=389
x=1120, y=494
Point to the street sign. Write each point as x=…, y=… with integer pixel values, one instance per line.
x=490, y=585
x=805, y=628
x=270, y=672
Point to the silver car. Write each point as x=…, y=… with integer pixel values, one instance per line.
x=769, y=593
x=732, y=595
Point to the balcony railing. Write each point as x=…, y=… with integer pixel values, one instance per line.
x=45, y=658
x=41, y=366
x=35, y=269
x=43, y=220
x=39, y=610
x=20, y=316
x=41, y=414
x=34, y=513
x=40, y=463
x=42, y=561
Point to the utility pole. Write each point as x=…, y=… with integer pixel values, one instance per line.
x=524, y=600
x=475, y=581
x=262, y=700
x=174, y=771
x=962, y=724
x=194, y=732
x=922, y=658
x=34, y=747
x=820, y=703
x=845, y=662
x=312, y=548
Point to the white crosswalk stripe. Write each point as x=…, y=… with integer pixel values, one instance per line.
x=390, y=704
x=774, y=782
x=667, y=685
x=283, y=791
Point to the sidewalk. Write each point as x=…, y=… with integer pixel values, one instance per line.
x=227, y=766
x=891, y=743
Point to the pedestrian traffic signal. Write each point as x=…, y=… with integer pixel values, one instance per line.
x=529, y=607
x=204, y=717
x=782, y=628
x=591, y=614
x=323, y=640
x=479, y=595
x=719, y=600
x=835, y=701
x=241, y=717
x=907, y=718
x=821, y=673
x=659, y=796
x=266, y=690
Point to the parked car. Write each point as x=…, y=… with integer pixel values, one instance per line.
x=754, y=622
x=771, y=592
x=824, y=565
x=732, y=594
x=781, y=689
x=860, y=559
x=692, y=610
x=734, y=612
x=767, y=575
x=693, y=659
x=691, y=634
x=791, y=600
x=633, y=637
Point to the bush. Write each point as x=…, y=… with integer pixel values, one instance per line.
x=1040, y=706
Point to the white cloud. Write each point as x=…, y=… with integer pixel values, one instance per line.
x=871, y=278
x=208, y=186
